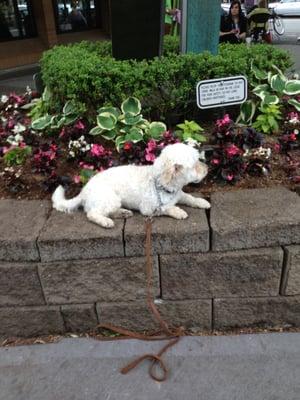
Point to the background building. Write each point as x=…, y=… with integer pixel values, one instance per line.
x=29, y=27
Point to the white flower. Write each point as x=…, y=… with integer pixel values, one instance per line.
x=15, y=140
x=294, y=121
x=296, y=131
x=9, y=169
x=191, y=142
x=19, y=128
x=4, y=98
x=72, y=154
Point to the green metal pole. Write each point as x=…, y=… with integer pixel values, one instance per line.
x=200, y=26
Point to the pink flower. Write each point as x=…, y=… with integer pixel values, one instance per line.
x=224, y=121
x=5, y=149
x=11, y=124
x=62, y=132
x=232, y=150
x=150, y=157
x=79, y=125
x=230, y=177
x=76, y=179
x=293, y=137
x=151, y=145
x=293, y=115
x=215, y=161
x=84, y=165
x=277, y=147
x=97, y=150
x=16, y=99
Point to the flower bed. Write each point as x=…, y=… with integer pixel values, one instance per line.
x=33, y=162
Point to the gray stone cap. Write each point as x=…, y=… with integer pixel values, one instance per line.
x=21, y=224
x=31, y=231
x=255, y=218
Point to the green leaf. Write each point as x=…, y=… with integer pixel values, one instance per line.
x=119, y=142
x=156, y=129
x=261, y=90
x=109, y=135
x=106, y=121
x=131, y=106
x=292, y=87
x=295, y=103
x=135, y=135
x=95, y=131
x=259, y=74
x=69, y=108
x=41, y=123
x=86, y=174
x=248, y=109
x=112, y=110
x=270, y=99
x=31, y=104
x=46, y=96
x=277, y=83
x=199, y=138
x=130, y=119
x=68, y=119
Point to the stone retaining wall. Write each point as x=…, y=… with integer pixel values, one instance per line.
x=236, y=266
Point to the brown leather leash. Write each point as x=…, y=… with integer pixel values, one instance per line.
x=171, y=334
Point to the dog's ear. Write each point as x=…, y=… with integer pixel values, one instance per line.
x=170, y=171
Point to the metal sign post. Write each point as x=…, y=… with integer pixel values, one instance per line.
x=200, y=26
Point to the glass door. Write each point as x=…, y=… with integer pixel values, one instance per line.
x=73, y=16
x=16, y=20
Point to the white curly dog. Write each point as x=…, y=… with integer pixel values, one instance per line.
x=153, y=190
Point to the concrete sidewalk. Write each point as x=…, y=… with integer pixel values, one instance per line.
x=246, y=367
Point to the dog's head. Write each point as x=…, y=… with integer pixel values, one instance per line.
x=178, y=165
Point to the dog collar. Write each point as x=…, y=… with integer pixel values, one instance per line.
x=160, y=188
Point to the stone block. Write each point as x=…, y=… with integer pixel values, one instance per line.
x=222, y=274
x=255, y=218
x=115, y=279
x=79, y=317
x=292, y=271
x=21, y=223
x=20, y=285
x=264, y=312
x=30, y=321
x=137, y=316
x=168, y=235
x=73, y=237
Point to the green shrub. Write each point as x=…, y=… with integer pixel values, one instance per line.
x=87, y=74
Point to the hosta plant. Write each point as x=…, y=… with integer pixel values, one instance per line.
x=67, y=117
x=271, y=88
x=126, y=125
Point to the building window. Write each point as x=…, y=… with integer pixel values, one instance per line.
x=16, y=20
x=72, y=16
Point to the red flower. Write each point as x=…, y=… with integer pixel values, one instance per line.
x=215, y=161
x=127, y=146
x=232, y=150
x=277, y=147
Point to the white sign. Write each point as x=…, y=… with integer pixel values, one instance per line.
x=221, y=92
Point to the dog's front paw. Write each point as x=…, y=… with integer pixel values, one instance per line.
x=201, y=203
x=180, y=214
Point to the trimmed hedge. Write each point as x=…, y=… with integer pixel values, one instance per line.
x=87, y=73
